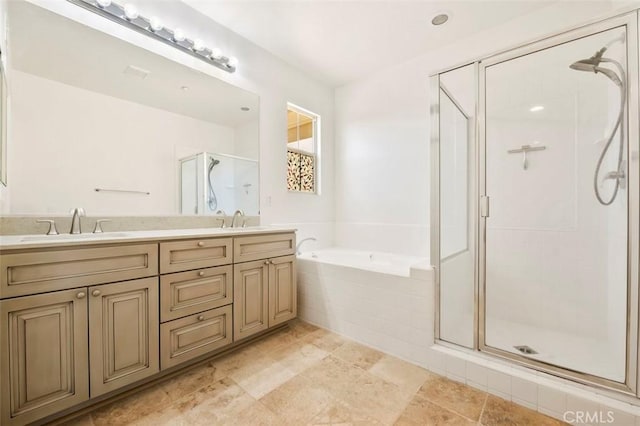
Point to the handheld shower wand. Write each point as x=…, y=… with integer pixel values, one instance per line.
x=213, y=200
x=593, y=65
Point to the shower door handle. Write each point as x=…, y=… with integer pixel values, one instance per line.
x=484, y=206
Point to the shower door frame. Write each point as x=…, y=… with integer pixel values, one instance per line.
x=630, y=22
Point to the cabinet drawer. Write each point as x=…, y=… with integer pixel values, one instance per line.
x=187, y=293
x=257, y=247
x=40, y=271
x=193, y=336
x=180, y=256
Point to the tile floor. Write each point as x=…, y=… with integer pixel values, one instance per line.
x=304, y=375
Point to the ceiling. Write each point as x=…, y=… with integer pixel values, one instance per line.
x=341, y=41
x=48, y=45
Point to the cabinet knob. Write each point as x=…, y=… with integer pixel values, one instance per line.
x=95, y=293
x=201, y=273
x=200, y=243
x=200, y=317
x=81, y=295
x=266, y=262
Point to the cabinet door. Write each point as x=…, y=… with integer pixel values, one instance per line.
x=123, y=333
x=282, y=290
x=250, y=297
x=43, y=355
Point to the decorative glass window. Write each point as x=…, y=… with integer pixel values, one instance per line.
x=302, y=148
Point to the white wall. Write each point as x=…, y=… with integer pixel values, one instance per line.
x=262, y=73
x=382, y=133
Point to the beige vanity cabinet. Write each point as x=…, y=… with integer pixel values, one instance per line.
x=43, y=361
x=123, y=333
x=264, y=291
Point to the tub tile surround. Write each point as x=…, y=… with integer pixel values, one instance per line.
x=331, y=380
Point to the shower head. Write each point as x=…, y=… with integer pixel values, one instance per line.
x=214, y=162
x=593, y=65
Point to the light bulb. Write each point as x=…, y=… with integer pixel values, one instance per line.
x=216, y=53
x=198, y=45
x=155, y=23
x=104, y=3
x=130, y=12
x=233, y=61
x=178, y=35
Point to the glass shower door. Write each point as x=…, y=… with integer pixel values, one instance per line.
x=555, y=265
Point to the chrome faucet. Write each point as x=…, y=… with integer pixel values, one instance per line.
x=235, y=215
x=302, y=241
x=76, y=225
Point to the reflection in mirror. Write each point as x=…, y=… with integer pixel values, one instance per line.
x=3, y=125
x=457, y=239
x=90, y=111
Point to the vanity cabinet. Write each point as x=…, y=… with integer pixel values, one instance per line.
x=123, y=333
x=85, y=321
x=44, y=358
x=265, y=289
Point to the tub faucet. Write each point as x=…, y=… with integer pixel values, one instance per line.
x=302, y=241
x=235, y=215
x=76, y=225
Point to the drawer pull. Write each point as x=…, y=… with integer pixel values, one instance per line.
x=200, y=317
x=200, y=243
x=266, y=262
x=81, y=295
x=201, y=273
x=95, y=293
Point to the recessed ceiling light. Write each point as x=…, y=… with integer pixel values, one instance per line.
x=245, y=108
x=536, y=108
x=184, y=88
x=440, y=19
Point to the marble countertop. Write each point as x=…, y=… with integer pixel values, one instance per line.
x=18, y=242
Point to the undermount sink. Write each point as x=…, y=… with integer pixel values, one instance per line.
x=75, y=237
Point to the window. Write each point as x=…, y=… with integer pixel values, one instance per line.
x=302, y=150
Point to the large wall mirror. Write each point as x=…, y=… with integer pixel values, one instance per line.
x=103, y=124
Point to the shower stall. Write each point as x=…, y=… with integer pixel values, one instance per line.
x=535, y=204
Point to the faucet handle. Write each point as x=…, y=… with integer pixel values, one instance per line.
x=221, y=220
x=52, y=226
x=244, y=223
x=98, y=228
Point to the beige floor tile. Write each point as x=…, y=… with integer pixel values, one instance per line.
x=256, y=415
x=325, y=340
x=215, y=404
x=401, y=373
x=454, y=396
x=300, y=329
x=424, y=413
x=333, y=374
x=192, y=380
x=265, y=380
x=371, y=396
x=499, y=412
x=299, y=357
x=298, y=401
x=132, y=408
x=85, y=420
x=243, y=363
x=358, y=355
x=337, y=413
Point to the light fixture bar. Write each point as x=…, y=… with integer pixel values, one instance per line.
x=128, y=16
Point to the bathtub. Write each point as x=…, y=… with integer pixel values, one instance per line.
x=383, y=300
x=385, y=263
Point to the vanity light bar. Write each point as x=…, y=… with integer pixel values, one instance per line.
x=128, y=16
